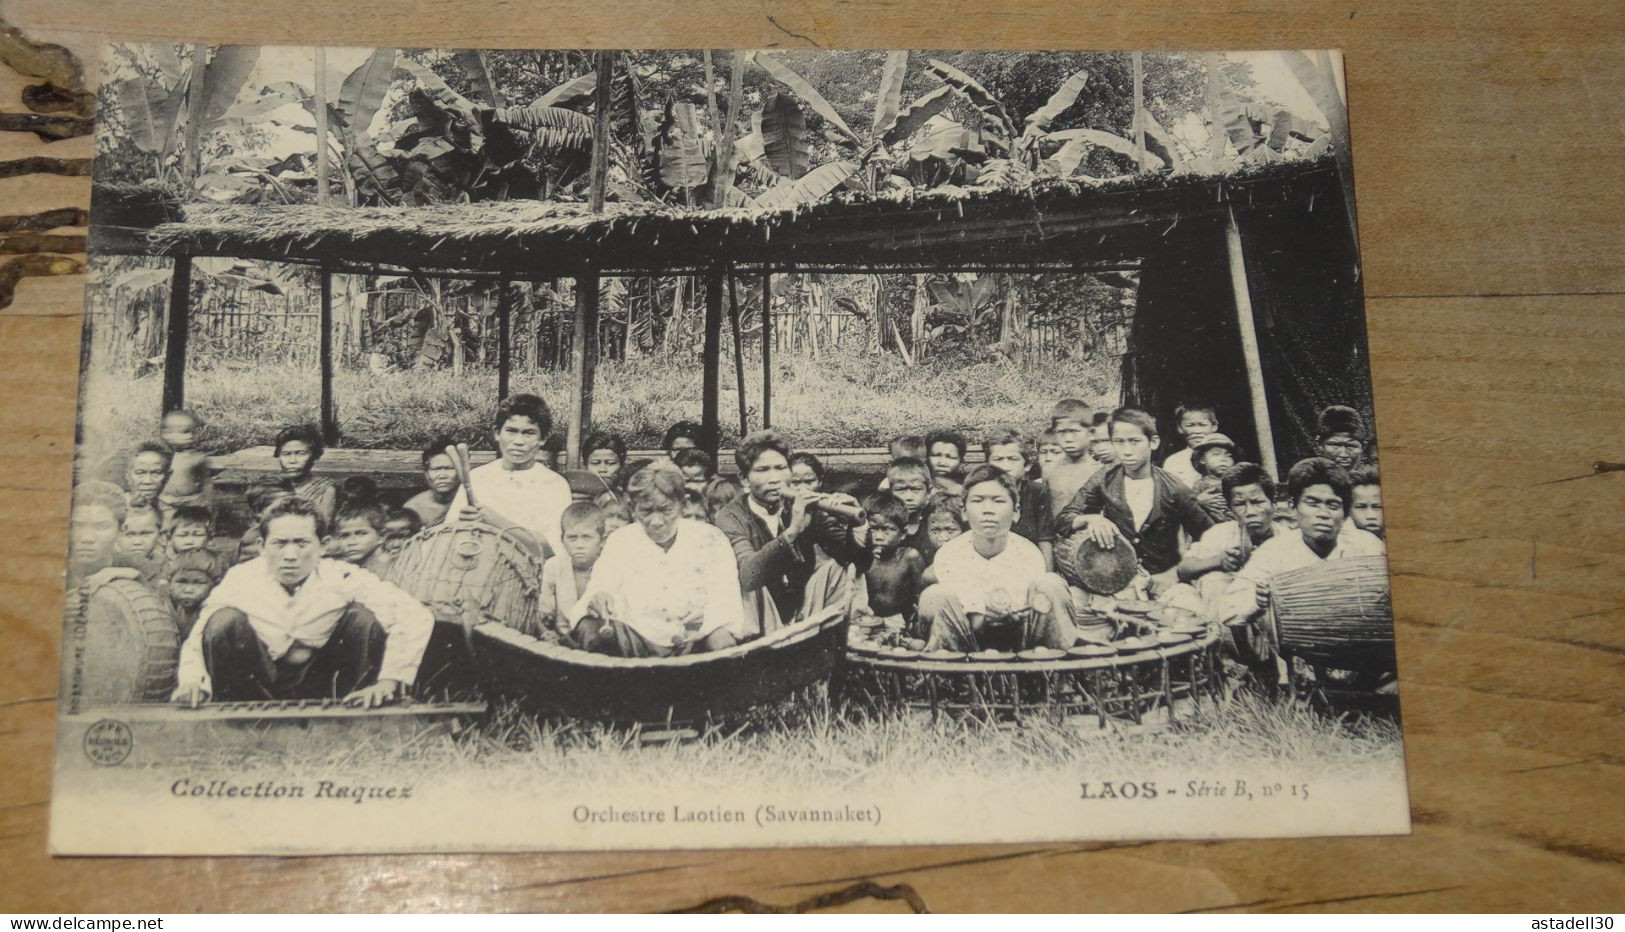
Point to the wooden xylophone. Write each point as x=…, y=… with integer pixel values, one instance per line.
x=286, y=710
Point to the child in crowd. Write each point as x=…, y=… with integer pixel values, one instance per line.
x=944, y=520
x=297, y=450
x=141, y=539
x=1049, y=452
x=565, y=575
x=191, y=577
x=189, y=529
x=440, y=475
x=1006, y=450
x=146, y=473
x=400, y=526
x=1366, y=508
x=616, y=512
x=894, y=576
x=249, y=545
x=694, y=507
x=906, y=447
x=683, y=435
x=1069, y=421
x=359, y=536
x=697, y=467
x=1138, y=502
x=357, y=490
x=1213, y=455
x=910, y=480
x=1341, y=435
x=806, y=472
x=719, y=493
x=189, y=482
x=1193, y=421
x=604, y=455
x=945, y=454
x=1100, y=440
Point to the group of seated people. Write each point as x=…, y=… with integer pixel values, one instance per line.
x=663, y=557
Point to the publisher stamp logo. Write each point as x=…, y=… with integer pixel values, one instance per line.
x=108, y=742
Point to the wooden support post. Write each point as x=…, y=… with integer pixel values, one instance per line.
x=330, y=411
x=739, y=353
x=583, y=361
x=1139, y=113
x=767, y=350
x=505, y=297
x=178, y=325
x=1249, y=344
x=711, y=357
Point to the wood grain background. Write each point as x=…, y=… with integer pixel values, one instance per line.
x=1487, y=138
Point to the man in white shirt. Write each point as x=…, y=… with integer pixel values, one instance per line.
x=1208, y=566
x=514, y=491
x=1321, y=492
x=291, y=625
x=664, y=585
x=991, y=588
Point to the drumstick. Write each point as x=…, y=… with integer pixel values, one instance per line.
x=458, y=453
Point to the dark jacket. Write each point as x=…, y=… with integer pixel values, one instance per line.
x=770, y=562
x=1156, y=543
x=1033, y=518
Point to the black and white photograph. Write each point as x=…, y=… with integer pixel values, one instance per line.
x=577, y=449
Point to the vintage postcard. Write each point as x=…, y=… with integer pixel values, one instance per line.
x=570, y=449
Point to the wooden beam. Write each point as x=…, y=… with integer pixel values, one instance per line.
x=505, y=298
x=179, y=325
x=1139, y=112
x=583, y=362
x=739, y=353
x=1249, y=346
x=330, y=411
x=603, y=94
x=712, y=358
x=767, y=350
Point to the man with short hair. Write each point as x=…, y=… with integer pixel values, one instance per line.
x=516, y=491
x=291, y=625
x=774, y=532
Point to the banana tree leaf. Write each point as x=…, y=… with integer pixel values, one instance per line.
x=150, y=112
x=272, y=97
x=554, y=127
x=682, y=160
x=1067, y=160
x=570, y=92
x=889, y=96
x=440, y=93
x=1314, y=81
x=472, y=61
x=223, y=79
x=970, y=89
x=784, y=136
x=373, y=173
x=1158, y=141
x=795, y=82
x=167, y=60
x=909, y=120
x=1107, y=141
x=363, y=91
x=1065, y=96
x=809, y=188
x=749, y=148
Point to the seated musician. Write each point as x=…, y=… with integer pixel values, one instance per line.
x=440, y=475
x=516, y=492
x=291, y=625
x=1321, y=494
x=663, y=586
x=1211, y=562
x=990, y=588
x=774, y=532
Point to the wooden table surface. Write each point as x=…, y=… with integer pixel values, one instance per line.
x=1487, y=137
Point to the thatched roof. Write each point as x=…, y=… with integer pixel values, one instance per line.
x=1052, y=221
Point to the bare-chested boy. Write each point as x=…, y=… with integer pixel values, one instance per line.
x=1069, y=421
x=189, y=482
x=894, y=577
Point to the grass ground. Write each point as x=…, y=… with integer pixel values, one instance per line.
x=846, y=401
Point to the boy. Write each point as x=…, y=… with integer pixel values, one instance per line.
x=944, y=520
x=696, y=466
x=146, y=473
x=248, y=546
x=694, y=508
x=1049, y=452
x=1069, y=421
x=616, y=512
x=719, y=493
x=565, y=576
x=604, y=455
x=1366, y=506
x=516, y=492
x=192, y=576
x=1100, y=440
x=400, y=526
x=440, y=475
x=1193, y=422
x=910, y=480
x=894, y=576
x=359, y=536
x=1341, y=435
x=141, y=534
x=189, y=482
x=1212, y=456
x=806, y=472
x=945, y=454
x=1035, y=519
x=189, y=529
x=1138, y=502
